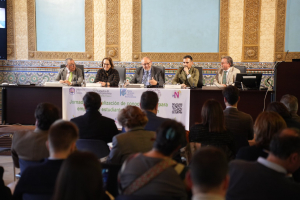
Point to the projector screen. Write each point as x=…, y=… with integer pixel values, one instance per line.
x=3, y=31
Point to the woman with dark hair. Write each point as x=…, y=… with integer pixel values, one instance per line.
x=266, y=125
x=212, y=130
x=136, y=139
x=165, y=180
x=80, y=177
x=107, y=76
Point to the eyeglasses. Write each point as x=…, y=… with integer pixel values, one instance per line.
x=145, y=64
x=70, y=65
x=106, y=64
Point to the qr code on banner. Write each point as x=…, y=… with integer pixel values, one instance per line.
x=176, y=108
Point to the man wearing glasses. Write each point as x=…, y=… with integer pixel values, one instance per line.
x=147, y=74
x=70, y=74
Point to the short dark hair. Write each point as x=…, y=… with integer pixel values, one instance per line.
x=231, y=94
x=80, y=172
x=229, y=60
x=188, y=56
x=283, y=145
x=92, y=101
x=169, y=136
x=149, y=100
x=209, y=167
x=62, y=134
x=279, y=108
x=46, y=114
x=291, y=102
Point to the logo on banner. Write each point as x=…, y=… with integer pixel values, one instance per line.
x=123, y=92
x=176, y=94
x=127, y=93
x=157, y=91
x=72, y=91
x=80, y=91
x=103, y=93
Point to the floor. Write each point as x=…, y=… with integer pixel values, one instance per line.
x=7, y=163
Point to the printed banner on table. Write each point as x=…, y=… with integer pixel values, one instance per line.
x=173, y=103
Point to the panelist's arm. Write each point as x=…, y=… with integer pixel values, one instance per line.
x=79, y=78
x=176, y=79
x=193, y=80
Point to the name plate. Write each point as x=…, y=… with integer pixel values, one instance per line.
x=135, y=86
x=93, y=85
x=172, y=86
x=53, y=84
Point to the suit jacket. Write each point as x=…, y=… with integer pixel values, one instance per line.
x=153, y=121
x=77, y=77
x=92, y=125
x=252, y=180
x=240, y=125
x=156, y=73
x=29, y=145
x=134, y=141
x=230, y=78
x=181, y=77
x=251, y=153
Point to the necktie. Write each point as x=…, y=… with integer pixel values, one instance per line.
x=224, y=77
x=70, y=77
x=145, y=80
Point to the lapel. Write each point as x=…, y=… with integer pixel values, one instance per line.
x=141, y=75
x=229, y=76
x=74, y=75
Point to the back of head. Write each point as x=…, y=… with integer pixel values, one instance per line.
x=291, y=102
x=46, y=114
x=62, y=134
x=80, y=177
x=212, y=116
x=285, y=142
x=229, y=60
x=266, y=125
x=92, y=101
x=169, y=136
x=209, y=168
x=231, y=94
x=149, y=100
x=131, y=117
x=279, y=108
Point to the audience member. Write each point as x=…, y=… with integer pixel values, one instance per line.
x=30, y=145
x=267, y=178
x=149, y=103
x=284, y=113
x=148, y=74
x=208, y=174
x=40, y=179
x=237, y=122
x=165, y=179
x=187, y=76
x=266, y=125
x=5, y=192
x=226, y=74
x=291, y=102
x=92, y=125
x=135, y=140
x=107, y=76
x=212, y=130
x=80, y=177
x=70, y=74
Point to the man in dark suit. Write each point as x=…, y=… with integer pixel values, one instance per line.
x=237, y=122
x=40, y=179
x=92, y=125
x=30, y=145
x=149, y=103
x=268, y=178
x=70, y=74
x=148, y=75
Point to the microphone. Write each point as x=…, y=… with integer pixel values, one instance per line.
x=83, y=84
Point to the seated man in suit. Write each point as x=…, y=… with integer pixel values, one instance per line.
x=148, y=75
x=208, y=176
x=268, y=178
x=40, y=179
x=92, y=125
x=70, y=74
x=226, y=75
x=291, y=102
x=237, y=122
x=149, y=103
x=187, y=75
x=30, y=145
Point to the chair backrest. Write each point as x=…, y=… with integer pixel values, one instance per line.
x=110, y=177
x=200, y=81
x=98, y=147
x=26, y=163
x=79, y=66
x=27, y=196
x=243, y=69
x=122, y=73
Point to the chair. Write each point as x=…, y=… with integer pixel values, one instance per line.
x=98, y=147
x=26, y=163
x=200, y=81
x=110, y=177
x=122, y=73
x=79, y=66
x=243, y=69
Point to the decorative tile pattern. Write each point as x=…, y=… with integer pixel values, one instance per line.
x=99, y=29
